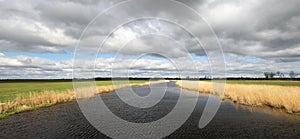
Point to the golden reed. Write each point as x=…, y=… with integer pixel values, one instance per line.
x=47, y=97
x=283, y=97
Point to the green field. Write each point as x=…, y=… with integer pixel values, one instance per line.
x=11, y=89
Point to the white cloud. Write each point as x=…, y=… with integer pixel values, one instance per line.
x=267, y=30
x=35, y=67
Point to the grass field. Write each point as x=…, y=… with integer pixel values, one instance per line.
x=19, y=96
x=278, y=94
x=10, y=90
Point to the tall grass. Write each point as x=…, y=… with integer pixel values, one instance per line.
x=46, y=98
x=10, y=90
x=50, y=97
x=283, y=97
x=35, y=100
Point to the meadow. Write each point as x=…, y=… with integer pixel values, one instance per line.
x=276, y=94
x=20, y=96
x=10, y=90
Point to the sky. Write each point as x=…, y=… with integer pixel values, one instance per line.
x=39, y=39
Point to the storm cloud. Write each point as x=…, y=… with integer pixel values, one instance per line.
x=256, y=36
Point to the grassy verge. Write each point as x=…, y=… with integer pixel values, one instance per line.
x=33, y=95
x=255, y=94
x=9, y=91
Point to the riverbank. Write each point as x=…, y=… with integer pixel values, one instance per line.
x=275, y=96
x=67, y=121
x=31, y=100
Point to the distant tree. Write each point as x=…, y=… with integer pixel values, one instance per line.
x=269, y=75
x=266, y=75
x=280, y=74
x=292, y=74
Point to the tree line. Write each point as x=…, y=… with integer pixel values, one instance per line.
x=271, y=75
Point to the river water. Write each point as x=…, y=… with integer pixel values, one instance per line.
x=231, y=121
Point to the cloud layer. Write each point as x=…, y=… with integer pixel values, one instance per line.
x=256, y=36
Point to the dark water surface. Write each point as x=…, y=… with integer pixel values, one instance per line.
x=231, y=121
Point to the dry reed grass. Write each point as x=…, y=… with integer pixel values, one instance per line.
x=48, y=98
x=35, y=100
x=283, y=97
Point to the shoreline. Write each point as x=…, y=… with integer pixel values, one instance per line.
x=50, y=98
x=67, y=120
x=278, y=97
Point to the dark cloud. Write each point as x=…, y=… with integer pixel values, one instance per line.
x=269, y=26
x=268, y=30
